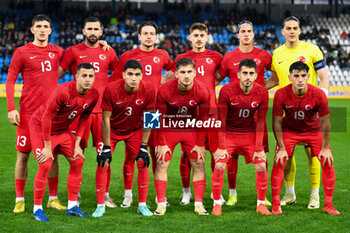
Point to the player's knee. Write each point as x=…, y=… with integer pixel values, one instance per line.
x=22, y=157
x=45, y=166
x=220, y=166
x=140, y=163
x=260, y=167
x=77, y=163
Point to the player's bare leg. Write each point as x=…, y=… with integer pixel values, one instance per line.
x=160, y=183
x=21, y=173
x=261, y=182
x=217, y=182
x=198, y=180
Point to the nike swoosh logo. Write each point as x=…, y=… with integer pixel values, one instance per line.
x=97, y=190
x=82, y=56
x=289, y=106
x=280, y=62
x=120, y=102
x=67, y=105
x=263, y=187
x=32, y=57
x=172, y=103
x=236, y=64
x=36, y=189
x=234, y=103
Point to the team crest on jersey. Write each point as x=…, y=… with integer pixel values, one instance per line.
x=102, y=57
x=192, y=103
x=257, y=61
x=156, y=60
x=85, y=106
x=255, y=104
x=139, y=102
x=52, y=55
x=302, y=59
x=308, y=107
x=209, y=60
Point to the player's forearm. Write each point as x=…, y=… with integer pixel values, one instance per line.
x=272, y=81
x=326, y=130
x=106, y=131
x=218, y=79
x=145, y=136
x=77, y=140
x=277, y=131
x=167, y=77
x=47, y=144
x=61, y=71
x=324, y=79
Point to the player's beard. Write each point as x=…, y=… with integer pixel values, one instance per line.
x=92, y=41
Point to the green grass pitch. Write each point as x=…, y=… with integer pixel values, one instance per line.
x=240, y=218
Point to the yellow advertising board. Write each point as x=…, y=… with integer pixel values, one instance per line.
x=18, y=90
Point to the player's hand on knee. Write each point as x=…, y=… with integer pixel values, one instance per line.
x=144, y=155
x=327, y=156
x=161, y=152
x=78, y=152
x=200, y=150
x=260, y=155
x=219, y=154
x=45, y=155
x=280, y=156
x=13, y=117
x=104, y=156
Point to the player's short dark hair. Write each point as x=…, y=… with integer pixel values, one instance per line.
x=244, y=22
x=250, y=63
x=87, y=66
x=148, y=23
x=132, y=64
x=41, y=17
x=291, y=18
x=92, y=19
x=298, y=65
x=184, y=62
x=199, y=26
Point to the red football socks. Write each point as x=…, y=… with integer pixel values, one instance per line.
x=142, y=181
x=128, y=171
x=232, y=168
x=185, y=171
x=277, y=177
x=199, y=189
x=217, y=181
x=101, y=181
x=261, y=181
x=108, y=178
x=53, y=186
x=328, y=181
x=74, y=178
x=20, y=185
x=41, y=180
x=160, y=186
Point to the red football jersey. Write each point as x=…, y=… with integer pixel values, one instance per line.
x=230, y=63
x=63, y=107
x=152, y=62
x=207, y=63
x=193, y=104
x=241, y=107
x=301, y=114
x=127, y=108
x=39, y=69
x=101, y=60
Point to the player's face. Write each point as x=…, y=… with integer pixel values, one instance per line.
x=299, y=79
x=92, y=32
x=247, y=76
x=291, y=31
x=185, y=75
x=198, y=39
x=148, y=36
x=41, y=30
x=132, y=78
x=85, y=78
x=246, y=34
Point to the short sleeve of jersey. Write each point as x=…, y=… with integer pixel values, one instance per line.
x=277, y=106
x=323, y=104
x=16, y=63
x=107, y=104
x=168, y=64
x=67, y=59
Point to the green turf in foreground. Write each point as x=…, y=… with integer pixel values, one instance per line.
x=240, y=218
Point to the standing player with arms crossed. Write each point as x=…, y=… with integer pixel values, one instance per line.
x=295, y=50
x=242, y=108
x=301, y=115
x=207, y=63
x=37, y=62
x=123, y=104
x=91, y=51
x=230, y=67
x=186, y=99
x=153, y=61
x=50, y=132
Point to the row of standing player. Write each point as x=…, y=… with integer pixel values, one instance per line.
x=92, y=31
